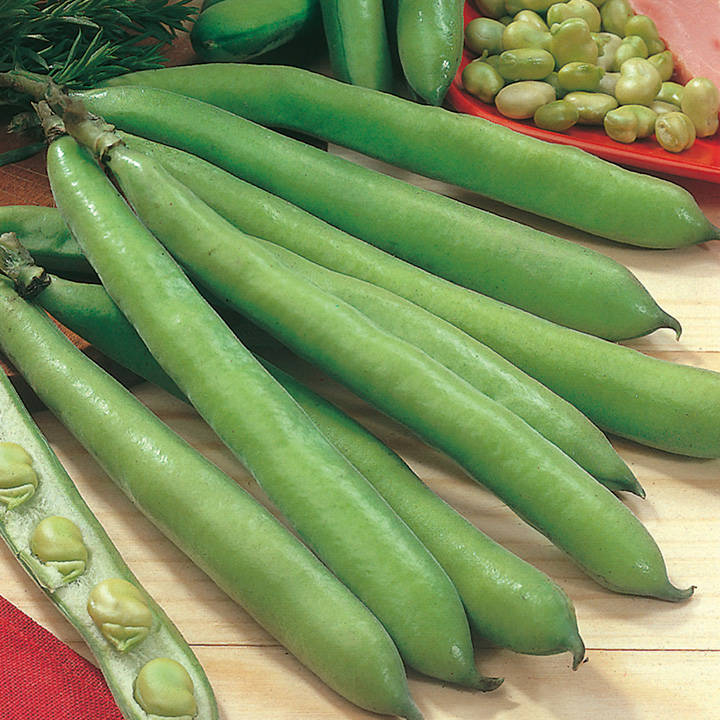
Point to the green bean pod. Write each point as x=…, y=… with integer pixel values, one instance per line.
x=509, y=261
x=244, y=29
x=496, y=586
x=329, y=503
x=497, y=448
x=43, y=231
x=430, y=44
x=358, y=43
x=467, y=151
x=263, y=215
x=238, y=543
x=65, y=550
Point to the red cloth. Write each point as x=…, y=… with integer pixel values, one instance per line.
x=41, y=678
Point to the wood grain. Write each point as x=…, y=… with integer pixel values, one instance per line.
x=647, y=659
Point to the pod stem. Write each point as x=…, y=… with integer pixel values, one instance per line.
x=17, y=263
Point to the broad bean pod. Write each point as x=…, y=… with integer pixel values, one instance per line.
x=430, y=44
x=497, y=448
x=327, y=500
x=511, y=262
x=238, y=543
x=495, y=585
x=65, y=550
x=466, y=151
x=358, y=43
x=242, y=29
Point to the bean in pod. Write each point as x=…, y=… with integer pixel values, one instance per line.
x=407, y=384
x=63, y=547
x=329, y=503
x=624, y=391
x=494, y=584
x=43, y=231
x=467, y=151
x=509, y=250
x=252, y=558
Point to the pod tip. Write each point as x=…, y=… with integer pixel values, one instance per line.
x=670, y=322
x=411, y=712
x=577, y=648
x=673, y=594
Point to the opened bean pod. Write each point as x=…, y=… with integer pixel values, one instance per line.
x=62, y=546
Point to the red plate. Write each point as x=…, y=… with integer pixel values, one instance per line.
x=701, y=161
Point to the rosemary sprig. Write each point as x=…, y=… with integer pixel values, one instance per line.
x=80, y=43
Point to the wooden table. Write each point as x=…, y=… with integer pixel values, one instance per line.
x=646, y=659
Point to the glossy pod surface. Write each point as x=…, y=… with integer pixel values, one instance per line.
x=430, y=43
x=54, y=529
x=504, y=259
x=220, y=527
x=358, y=43
x=497, y=588
x=329, y=503
x=532, y=476
x=467, y=151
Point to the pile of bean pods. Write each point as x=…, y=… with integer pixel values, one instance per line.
x=587, y=62
x=288, y=244
x=367, y=39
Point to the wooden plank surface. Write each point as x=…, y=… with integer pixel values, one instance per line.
x=646, y=659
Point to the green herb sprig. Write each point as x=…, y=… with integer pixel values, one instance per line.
x=79, y=43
